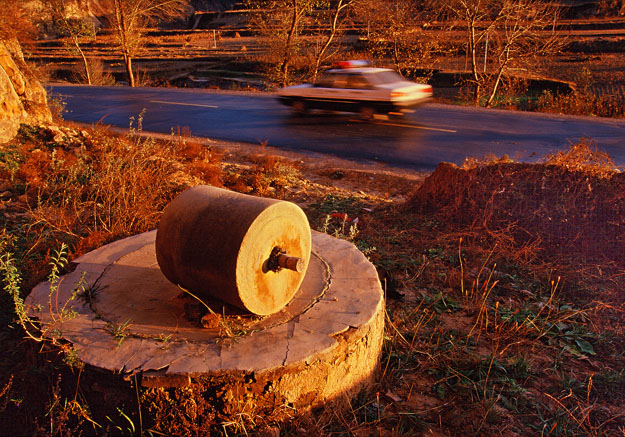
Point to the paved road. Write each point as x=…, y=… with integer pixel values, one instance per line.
x=434, y=133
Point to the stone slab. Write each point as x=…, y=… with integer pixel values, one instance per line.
x=132, y=321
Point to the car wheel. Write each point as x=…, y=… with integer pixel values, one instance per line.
x=367, y=113
x=398, y=116
x=299, y=107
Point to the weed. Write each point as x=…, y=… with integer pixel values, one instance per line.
x=71, y=358
x=65, y=417
x=10, y=160
x=5, y=394
x=366, y=248
x=58, y=314
x=580, y=103
x=118, y=190
x=97, y=72
x=164, y=338
x=441, y=303
x=268, y=176
x=118, y=331
x=574, y=339
x=128, y=426
x=476, y=341
x=337, y=204
x=227, y=329
x=608, y=384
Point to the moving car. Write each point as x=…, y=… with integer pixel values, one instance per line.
x=354, y=86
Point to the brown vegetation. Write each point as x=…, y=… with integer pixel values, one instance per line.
x=503, y=280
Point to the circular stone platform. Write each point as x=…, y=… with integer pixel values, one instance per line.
x=132, y=320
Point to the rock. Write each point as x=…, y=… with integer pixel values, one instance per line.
x=22, y=97
x=53, y=130
x=324, y=344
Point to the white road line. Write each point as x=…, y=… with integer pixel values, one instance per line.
x=425, y=128
x=183, y=104
x=411, y=126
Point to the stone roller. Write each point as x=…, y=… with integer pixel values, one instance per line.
x=248, y=251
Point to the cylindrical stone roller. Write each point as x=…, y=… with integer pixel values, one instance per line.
x=248, y=251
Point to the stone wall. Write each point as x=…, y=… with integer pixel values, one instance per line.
x=22, y=97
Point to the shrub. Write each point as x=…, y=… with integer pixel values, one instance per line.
x=578, y=103
x=89, y=187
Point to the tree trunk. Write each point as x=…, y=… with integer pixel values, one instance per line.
x=59, y=10
x=395, y=51
x=128, y=64
x=84, y=61
x=502, y=68
x=123, y=39
x=286, y=57
x=331, y=35
x=472, y=49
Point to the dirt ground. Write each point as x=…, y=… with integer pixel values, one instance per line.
x=375, y=179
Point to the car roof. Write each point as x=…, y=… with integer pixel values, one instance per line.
x=357, y=70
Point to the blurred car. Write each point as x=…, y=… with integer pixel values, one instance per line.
x=354, y=86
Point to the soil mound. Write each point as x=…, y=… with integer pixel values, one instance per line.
x=570, y=206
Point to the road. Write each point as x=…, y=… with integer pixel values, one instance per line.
x=432, y=134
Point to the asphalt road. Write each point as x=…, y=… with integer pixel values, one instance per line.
x=432, y=134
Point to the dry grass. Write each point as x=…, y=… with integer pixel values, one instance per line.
x=500, y=328
x=580, y=103
x=89, y=187
x=267, y=176
x=505, y=312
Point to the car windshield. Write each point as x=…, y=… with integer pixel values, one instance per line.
x=384, y=76
x=347, y=79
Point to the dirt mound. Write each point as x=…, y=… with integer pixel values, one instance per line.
x=571, y=206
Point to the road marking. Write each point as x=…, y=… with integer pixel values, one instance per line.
x=183, y=104
x=411, y=126
x=439, y=129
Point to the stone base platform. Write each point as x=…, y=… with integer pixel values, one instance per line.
x=130, y=320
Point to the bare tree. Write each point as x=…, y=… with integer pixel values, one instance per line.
x=510, y=34
x=73, y=29
x=129, y=19
x=280, y=22
x=395, y=31
x=330, y=28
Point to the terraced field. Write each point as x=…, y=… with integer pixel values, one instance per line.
x=225, y=54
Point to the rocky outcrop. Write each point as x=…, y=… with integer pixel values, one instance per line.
x=22, y=97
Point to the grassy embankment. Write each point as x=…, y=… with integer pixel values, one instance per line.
x=504, y=288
